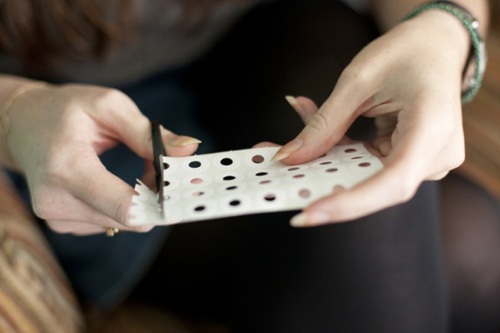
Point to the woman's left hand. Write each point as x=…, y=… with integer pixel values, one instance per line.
x=409, y=80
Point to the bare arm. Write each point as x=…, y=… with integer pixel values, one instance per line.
x=409, y=79
x=389, y=12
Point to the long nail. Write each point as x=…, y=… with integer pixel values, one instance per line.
x=294, y=103
x=287, y=150
x=310, y=219
x=182, y=141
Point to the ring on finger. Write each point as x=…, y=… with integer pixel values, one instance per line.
x=110, y=232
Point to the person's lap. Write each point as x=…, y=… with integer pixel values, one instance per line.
x=382, y=273
x=257, y=272
x=471, y=243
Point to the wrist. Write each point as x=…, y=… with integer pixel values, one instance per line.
x=10, y=97
x=447, y=31
x=474, y=60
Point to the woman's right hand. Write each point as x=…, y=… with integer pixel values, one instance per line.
x=56, y=136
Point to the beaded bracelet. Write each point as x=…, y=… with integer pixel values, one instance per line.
x=477, y=59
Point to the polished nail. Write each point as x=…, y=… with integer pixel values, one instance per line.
x=182, y=141
x=287, y=150
x=294, y=103
x=299, y=220
x=310, y=219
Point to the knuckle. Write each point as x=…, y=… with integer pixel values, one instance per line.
x=439, y=176
x=457, y=159
x=354, y=75
x=405, y=191
x=57, y=170
x=320, y=123
x=61, y=176
x=42, y=210
x=44, y=205
x=121, y=214
x=453, y=154
x=48, y=198
x=112, y=95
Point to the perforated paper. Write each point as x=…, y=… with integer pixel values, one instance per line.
x=204, y=187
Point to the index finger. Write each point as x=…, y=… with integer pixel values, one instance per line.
x=325, y=128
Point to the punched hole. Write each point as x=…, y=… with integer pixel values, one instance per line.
x=198, y=193
x=234, y=203
x=199, y=208
x=264, y=182
x=337, y=188
x=262, y=173
x=231, y=188
x=166, y=183
x=226, y=161
x=196, y=181
x=195, y=164
x=350, y=150
x=326, y=163
x=332, y=170
x=257, y=159
x=298, y=176
x=304, y=193
x=228, y=178
x=166, y=165
x=293, y=168
x=356, y=157
x=270, y=197
x=364, y=164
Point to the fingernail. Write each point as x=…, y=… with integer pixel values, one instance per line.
x=299, y=220
x=294, y=103
x=182, y=141
x=287, y=150
x=310, y=219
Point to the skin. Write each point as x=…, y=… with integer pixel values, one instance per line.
x=67, y=134
x=415, y=100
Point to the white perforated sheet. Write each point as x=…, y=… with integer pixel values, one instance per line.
x=203, y=187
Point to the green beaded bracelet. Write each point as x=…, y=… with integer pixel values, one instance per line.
x=478, y=53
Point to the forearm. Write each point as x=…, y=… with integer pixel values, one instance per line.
x=390, y=12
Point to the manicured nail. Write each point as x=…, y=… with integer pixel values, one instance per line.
x=294, y=103
x=310, y=219
x=182, y=141
x=299, y=220
x=287, y=150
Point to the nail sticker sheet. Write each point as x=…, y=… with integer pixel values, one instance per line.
x=204, y=187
